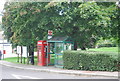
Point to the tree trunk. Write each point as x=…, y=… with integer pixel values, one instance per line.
x=27, y=54
x=31, y=54
x=75, y=45
x=21, y=54
x=83, y=48
x=17, y=55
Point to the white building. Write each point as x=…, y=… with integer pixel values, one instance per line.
x=5, y=45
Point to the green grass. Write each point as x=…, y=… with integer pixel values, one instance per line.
x=113, y=51
x=15, y=59
x=105, y=49
x=11, y=59
x=110, y=50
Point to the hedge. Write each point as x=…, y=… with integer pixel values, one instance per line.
x=92, y=61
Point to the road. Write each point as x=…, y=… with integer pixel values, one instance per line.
x=13, y=73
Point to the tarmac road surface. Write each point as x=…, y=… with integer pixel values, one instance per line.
x=13, y=73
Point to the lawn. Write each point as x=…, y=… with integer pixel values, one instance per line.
x=113, y=51
x=105, y=49
x=110, y=50
x=11, y=59
x=15, y=59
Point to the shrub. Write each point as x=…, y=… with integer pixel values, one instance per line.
x=93, y=61
x=106, y=43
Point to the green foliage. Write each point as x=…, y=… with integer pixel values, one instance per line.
x=93, y=61
x=0, y=27
x=85, y=22
x=21, y=20
x=106, y=43
x=26, y=23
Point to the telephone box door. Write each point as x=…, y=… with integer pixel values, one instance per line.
x=42, y=52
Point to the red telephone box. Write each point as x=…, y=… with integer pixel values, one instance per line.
x=42, y=53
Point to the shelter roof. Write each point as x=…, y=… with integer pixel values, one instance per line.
x=60, y=39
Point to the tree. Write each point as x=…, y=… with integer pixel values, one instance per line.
x=84, y=22
x=23, y=28
x=0, y=26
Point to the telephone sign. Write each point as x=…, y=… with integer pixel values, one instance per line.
x=39, y=42
x=50, y=32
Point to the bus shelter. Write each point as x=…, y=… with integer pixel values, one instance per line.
x=56, y=47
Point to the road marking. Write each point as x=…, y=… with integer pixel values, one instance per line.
x=25, y=77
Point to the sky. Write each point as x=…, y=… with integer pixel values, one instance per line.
x=2, y=2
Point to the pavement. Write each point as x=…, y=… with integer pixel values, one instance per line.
x=58, y=70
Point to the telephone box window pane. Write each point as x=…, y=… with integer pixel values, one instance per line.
x=39, y=47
